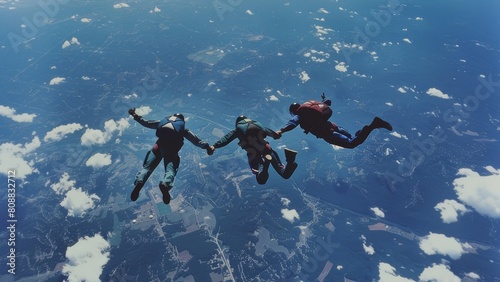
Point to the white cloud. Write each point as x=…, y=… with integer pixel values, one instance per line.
x=389, y=104
x=12, y=157
x=398, y=135
x=155, y=10
x=285, y=201
x=368, y=249
x=341, y=67
x=402, y=90
x=419, y=19
x=61, y=131
x=85, y=20
x=304, y=77
x=387, y=273
x=143, y=110
x=290, y=215
x=479, y=192
x=63, y=185
x=131, y=96
x=249, y=12
x=407, y=40
x=99, y=160
x=85, y=77
x=121, y=5
x=273, y=98
x=66, y=44
x=56, y=80
x=473, y=275
x=441, y=244
x=86, y=259
x=96, y=136
x=437, y=93
x=438, y=272
x=74, y=41
x=323, y=11
x=321, y=31
x=378, y=212
x=450, y=209
x=77, y=202
x=317, y=56
x=11, y=113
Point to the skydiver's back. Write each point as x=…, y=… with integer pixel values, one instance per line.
x=170, y=131
x=313, y=115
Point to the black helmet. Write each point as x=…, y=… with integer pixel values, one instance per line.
x=240, y=118
x=293, y=108
x=179, y=115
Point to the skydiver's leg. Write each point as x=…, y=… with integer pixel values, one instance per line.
x=151, y=161
x=344, y=132
x=258, y=164
x=345, y=141
x=339, y=139
x=171, y=163
x=284, y=171
x=330, y=127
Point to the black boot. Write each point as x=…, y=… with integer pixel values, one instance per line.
x=290, y=155
x=380, y=123
x=291, y=165
x=164, y=188
x=135, y=193
x=263, y=175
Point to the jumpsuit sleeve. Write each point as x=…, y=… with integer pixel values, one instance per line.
x=195, y=139
x=271, y=133
x=228, y=138
x=294, y=122
x=153, y=124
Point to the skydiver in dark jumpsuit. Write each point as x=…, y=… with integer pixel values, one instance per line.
x=251, y=135
x=171, y=132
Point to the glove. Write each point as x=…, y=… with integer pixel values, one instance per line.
x=133, y=114
x=210, y=150
x=279, y=133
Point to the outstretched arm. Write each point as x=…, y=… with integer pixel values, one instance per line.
x=272, y=133
x=198, y=142
x=226, y=139
x=294, y=122
x=195, y=139
x=153, y=124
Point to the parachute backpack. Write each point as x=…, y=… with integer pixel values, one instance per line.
x=171, y=127
x=313, y=113
x=254, y=134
